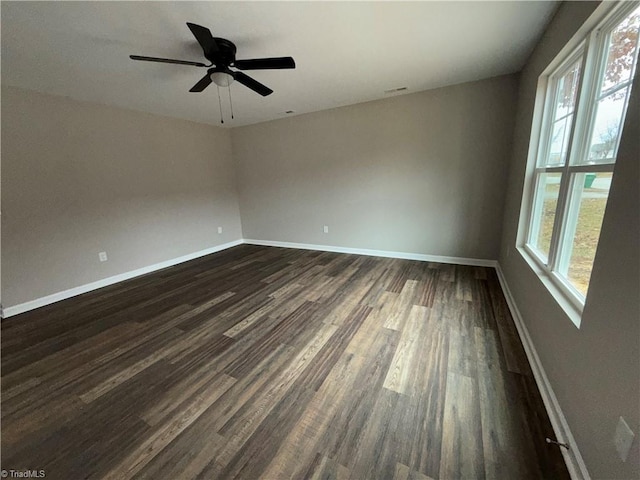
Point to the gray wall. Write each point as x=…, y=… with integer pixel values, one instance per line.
x=421, y=173
x=594, y=370
x=80, y=178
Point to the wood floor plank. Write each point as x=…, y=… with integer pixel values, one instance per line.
x=536, y=426
x=167, y=432
x=462, y=347
x=511, y=345
x=125, y=374
x=324, y=362
x=407, y=354
x=426, y=288
x=377, y=455
x=403, y=472
x=242, y=394
x=464, y=283
x=397, y=312
x=324, y=468
x=249, y=320
x=447, y=272
x=246, y=421
x=187, y=456
x=256, y=453
x=304, y=439
x=29, y=413
x=343, y=437
x=274, y=363
x=423, y=410
x=462, y=455
x=502, y=436
x=73, y=357
x=172, y=399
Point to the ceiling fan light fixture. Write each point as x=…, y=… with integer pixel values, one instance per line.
x=222, y=79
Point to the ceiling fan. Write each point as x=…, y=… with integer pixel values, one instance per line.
x=222, y=55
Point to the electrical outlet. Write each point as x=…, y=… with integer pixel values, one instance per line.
x=326, y=229
x=219, y=230
x=623, y=439
x=102, y=256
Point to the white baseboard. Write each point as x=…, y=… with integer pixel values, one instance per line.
x=476, y=262
x=72, y=292
x=573, y=459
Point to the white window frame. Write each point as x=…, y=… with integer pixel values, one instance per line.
x=592, y=47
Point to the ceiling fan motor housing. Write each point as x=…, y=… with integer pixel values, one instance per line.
x=226, y=54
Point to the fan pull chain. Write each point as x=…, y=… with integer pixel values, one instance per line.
x=230, y=102
x=220, y=104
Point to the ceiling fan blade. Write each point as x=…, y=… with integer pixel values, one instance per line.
x=254, y=85
x=166, y=60
x=203, y=83
x=204, y=37
x=265, y=63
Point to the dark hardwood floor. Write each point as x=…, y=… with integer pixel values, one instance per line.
x=261, y=362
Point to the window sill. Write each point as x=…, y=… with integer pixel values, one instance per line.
x=551, y=284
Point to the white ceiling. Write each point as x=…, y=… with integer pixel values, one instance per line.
x=346, y=52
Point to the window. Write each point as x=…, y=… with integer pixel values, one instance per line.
x=586, y=98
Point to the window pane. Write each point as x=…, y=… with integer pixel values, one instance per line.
x=622, y=48
x=565, y=102
x=559, y=142
x=606, y=127
x=589, y=199
x=567, y=91
x=546, y=202
x=615, y=87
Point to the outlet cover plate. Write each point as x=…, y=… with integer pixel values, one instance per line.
x=623, y=439
x=102, y=256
